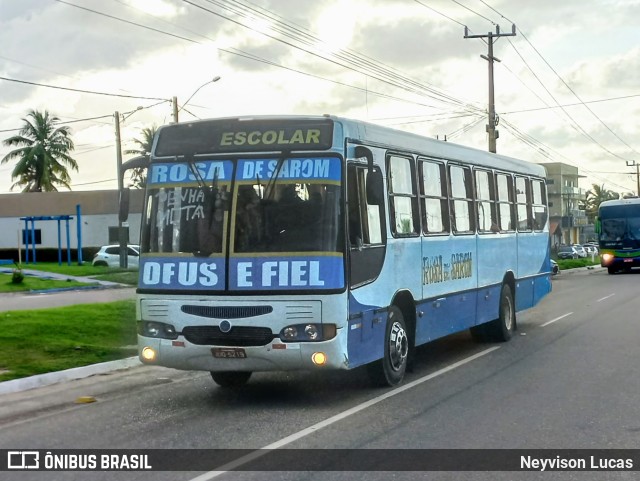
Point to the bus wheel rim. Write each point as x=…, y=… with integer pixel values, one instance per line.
x=507, y=313
x=398, y=346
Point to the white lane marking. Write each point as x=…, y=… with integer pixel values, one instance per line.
x=556, y=319
x=338, y=417
x=606, y=297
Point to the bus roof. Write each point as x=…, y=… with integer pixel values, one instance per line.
x=619, y=202
x=376, y=135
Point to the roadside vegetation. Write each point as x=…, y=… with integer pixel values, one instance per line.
x=46, y=340
x=31, y=283
x=565, y=264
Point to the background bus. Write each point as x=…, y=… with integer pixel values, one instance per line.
x=619, y=234
x=281, y=243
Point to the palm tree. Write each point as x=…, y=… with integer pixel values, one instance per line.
x=42, y=154
x=596, y=196
x=139, y=176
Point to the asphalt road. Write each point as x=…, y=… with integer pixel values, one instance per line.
x=20, y=301
x=568, y=379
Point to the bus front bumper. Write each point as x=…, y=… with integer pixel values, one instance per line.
x=275, y=356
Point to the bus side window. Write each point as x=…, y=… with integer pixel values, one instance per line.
x=364, y=220
x=354, y=217
x=485, y=197
x=539, y=204
x=504, y=190
x=403, y=200
x=523, y=203
x=434, y=199
x=461, y=199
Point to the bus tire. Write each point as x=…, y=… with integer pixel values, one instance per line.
x=611, y=270
x=389, y=371
x=501, y=329
x=230, y=378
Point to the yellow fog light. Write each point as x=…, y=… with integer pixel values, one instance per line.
x=148, y=354
x=319, y=358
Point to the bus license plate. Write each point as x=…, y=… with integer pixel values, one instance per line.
x=228, y=352
x=628, y=260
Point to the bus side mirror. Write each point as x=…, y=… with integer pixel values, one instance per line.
x=597, y=226
x=123, y=213
x=375, y=187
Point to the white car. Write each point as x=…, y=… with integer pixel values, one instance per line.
x=109, y=256
x=582, y=252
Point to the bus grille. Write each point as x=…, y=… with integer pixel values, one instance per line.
x=226, y=312
x=237, y=336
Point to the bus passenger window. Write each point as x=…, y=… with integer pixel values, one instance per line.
x=539, y=205
x=523, y=202
x=402, y=193
x=504, y=183
x=433, y=193
x=485, y=196
x=364, y=224
x=461, y=199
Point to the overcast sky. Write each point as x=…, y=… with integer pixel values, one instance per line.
x=567, y=88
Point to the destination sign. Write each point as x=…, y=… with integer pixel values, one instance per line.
x=233, y=135
x=286, y=272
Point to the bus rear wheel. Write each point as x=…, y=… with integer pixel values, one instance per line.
x=501, y=329
x=389, y=371
x=231, y=379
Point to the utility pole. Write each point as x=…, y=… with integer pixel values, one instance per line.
x=122, y=238
x=174, y=103
x=631, y=163
x=493, y=120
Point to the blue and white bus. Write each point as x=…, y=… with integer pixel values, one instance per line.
x=287, y=243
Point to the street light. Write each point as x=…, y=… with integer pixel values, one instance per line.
x=631, y=163
x=176, y=110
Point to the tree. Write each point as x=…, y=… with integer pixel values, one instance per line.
x=139, y=176
x=42, y=154
x=596, y=196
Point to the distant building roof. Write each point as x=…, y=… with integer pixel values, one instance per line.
x=92, y=202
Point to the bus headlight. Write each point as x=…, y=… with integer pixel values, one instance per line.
x=308, y=332
x=159, y=330
x=607, y=258
x=319, y=358
x=148, y=354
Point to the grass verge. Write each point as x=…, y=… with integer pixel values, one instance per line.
x=36, y=284
x=47, y=340
x=565, y=264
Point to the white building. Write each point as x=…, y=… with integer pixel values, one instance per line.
x=98, y=219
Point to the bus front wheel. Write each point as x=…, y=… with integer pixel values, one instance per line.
x=611, y=270
x=230, y=379
x=389, y=371
x=501, y=329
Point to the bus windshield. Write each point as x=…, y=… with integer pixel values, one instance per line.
x=267, y=223
x=620, y=227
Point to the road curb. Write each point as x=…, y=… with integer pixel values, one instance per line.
x=41, y=380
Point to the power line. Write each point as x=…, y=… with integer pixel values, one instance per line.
x=247, y=55
x=80, y=90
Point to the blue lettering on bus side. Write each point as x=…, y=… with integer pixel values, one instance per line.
x=286, y=272
x=182, y=273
